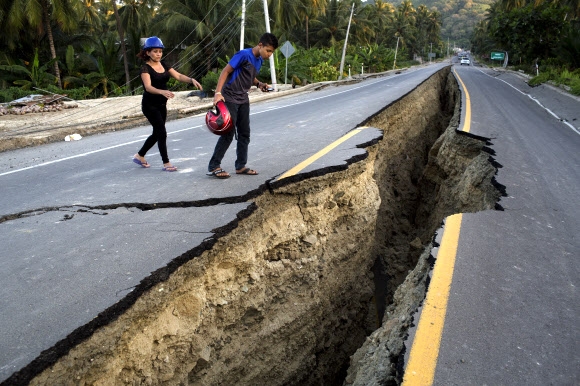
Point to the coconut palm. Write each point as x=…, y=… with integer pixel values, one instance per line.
x=40, y=15
x=90, y=17
x=209, y=27
x=310, y=9
x=402, y=28
x=363, y=29
x=331, y=27
x=381, y=13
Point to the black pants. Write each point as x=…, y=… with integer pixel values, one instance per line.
x=157, y=115
x=241, y=117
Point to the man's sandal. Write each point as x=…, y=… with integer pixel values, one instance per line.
x=247, y=171
x=219, y=173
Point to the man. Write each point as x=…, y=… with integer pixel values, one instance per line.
x=239, y=75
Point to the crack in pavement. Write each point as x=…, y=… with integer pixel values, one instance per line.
x=141, y=206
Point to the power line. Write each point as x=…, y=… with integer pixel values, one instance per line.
x=227, y=30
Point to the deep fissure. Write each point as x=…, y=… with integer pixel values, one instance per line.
x=286, y=297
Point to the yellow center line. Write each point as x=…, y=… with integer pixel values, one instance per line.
x=467, y=121
x=296, y=169
x=420, y=369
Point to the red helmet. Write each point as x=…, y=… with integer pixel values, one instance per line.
x=220, y=122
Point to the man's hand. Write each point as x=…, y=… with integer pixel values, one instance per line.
x=218, y=97
x=264, y=86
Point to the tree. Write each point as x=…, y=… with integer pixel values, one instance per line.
x=331, y=27
x=381, y=13
x=106, y=70
x=403, y=25
x=40, y=15
x=530, y=32
x=309, y=9
x=37, y=75
x=206, y=26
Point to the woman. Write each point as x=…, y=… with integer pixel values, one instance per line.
x=155, y=74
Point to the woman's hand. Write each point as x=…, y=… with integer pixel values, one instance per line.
x=196, y=84
x=167, y=94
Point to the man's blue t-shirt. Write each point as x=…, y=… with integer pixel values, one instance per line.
x=246, y=68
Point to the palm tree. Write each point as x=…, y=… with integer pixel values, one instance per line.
x=89, y=16
x=40, y=15
x=381, y=13
x=363, y=29
x=285, y=13
x=121, y=32
x=331, y=27
x=209, y=26
x=403, y=28
x=311, y=9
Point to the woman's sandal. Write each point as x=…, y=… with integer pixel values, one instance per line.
x=169, y=169
x=143, y=164
x=219, y=173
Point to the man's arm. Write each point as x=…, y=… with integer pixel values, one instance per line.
x=221, y=81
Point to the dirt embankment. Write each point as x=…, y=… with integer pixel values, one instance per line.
x=288, y=297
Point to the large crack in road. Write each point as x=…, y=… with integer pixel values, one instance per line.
x=315, y=282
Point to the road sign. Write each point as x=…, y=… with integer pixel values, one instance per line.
x=287, y=49
x=497, y=55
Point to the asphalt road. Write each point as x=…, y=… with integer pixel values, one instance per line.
x=512, y=313
x=59, y=268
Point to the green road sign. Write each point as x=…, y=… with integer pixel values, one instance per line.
x=497, y=55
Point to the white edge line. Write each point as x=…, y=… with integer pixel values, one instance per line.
x=88, y=153
x=535, y=100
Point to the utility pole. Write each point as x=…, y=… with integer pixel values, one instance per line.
x=396, y=49
x=272, y=66
x=344, y=48
x=243, y=24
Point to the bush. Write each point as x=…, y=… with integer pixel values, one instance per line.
x=559, y=77
x=12, y=93
x=209, y=83
x=73, y=93
x=324, y=72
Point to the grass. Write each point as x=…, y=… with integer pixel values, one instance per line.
x=559, y=77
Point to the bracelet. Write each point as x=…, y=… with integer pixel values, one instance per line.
x=258, y=85
x=217, y=93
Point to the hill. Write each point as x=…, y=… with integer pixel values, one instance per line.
x=459, y=17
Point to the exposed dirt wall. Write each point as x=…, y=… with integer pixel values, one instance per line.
x=289, y=294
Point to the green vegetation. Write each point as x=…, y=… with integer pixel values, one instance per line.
x=459, y=18
x=92, y=46
x=559, y=76
x=546, y=33
x=209, y=82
